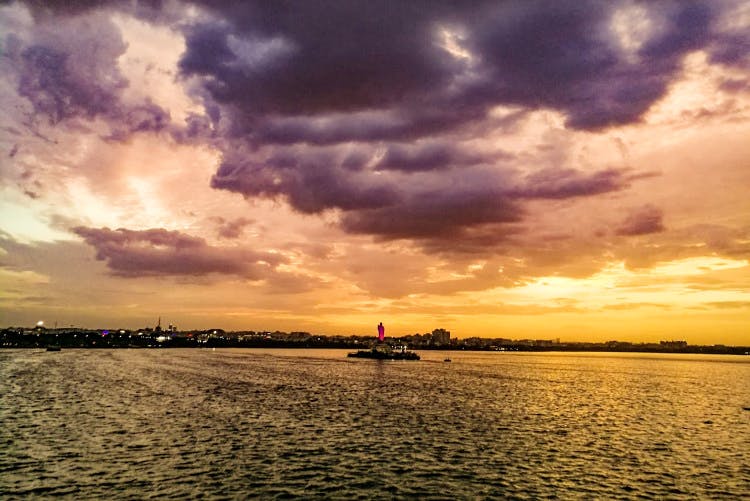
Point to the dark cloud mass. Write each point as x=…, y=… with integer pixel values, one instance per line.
x=324, y=57
x=315, y=57
x=159, y=252
x=310, y=185
x=413, y=76
x=369, y=108
x=437, y=214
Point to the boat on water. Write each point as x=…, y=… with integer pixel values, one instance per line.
x=376, y=354
x=383, y=351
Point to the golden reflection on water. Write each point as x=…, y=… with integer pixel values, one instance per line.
x=262, y=423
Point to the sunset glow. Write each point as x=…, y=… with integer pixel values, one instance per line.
x=516, y=169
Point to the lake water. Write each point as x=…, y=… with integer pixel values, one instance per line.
x=160, y=423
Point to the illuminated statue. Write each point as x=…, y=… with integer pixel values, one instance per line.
x=381, y=332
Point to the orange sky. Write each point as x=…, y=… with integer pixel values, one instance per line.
x=426, y=179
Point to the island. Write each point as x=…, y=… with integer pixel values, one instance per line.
x=384, y=354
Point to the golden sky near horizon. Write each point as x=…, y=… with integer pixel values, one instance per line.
x=510, y=170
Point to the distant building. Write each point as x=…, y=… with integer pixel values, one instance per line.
x=441, y=337
x=673, y=344
x=544, y=342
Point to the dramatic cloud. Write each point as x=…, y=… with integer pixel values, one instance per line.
x=274, y=59
x=285, y=81
x=313, y=58
x=67, y=70
x=152, y=252
x=310, y=185
x=566, y=55
x=311, y=103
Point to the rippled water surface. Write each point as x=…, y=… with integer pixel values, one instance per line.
x=292, y=423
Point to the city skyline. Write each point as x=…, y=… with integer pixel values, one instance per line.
x=542, y=170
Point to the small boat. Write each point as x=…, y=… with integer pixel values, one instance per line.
x=447, y=360
x=53, y=347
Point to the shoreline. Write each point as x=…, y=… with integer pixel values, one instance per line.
x=699, y=350
x=39, y=337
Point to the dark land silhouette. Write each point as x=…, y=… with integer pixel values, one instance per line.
x=438, y=339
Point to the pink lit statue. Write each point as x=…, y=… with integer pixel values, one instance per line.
x=381, y=332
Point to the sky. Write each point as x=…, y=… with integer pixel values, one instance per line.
x=571, y=169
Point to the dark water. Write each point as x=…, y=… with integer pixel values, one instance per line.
x=282, y=423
